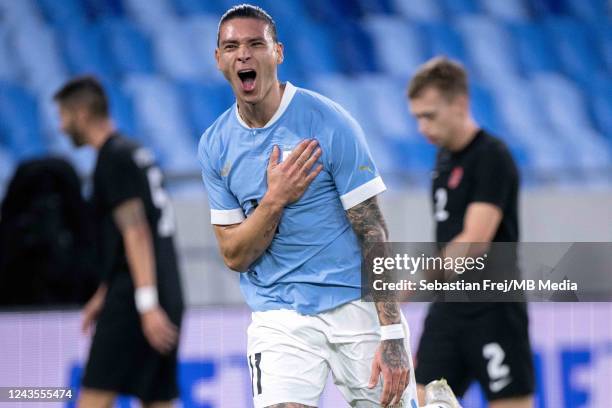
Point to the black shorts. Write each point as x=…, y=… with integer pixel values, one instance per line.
x=121, y=359
x=489, y=344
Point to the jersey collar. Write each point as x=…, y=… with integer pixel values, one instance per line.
x=285, y=101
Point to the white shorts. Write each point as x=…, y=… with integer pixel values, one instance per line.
x=290, y=356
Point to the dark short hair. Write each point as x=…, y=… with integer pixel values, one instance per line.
x=448, y=76
x=248, y=11
x=84, y=91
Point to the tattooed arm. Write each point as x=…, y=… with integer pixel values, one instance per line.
x=241, y=244
x=131, y=219
x=391, y=358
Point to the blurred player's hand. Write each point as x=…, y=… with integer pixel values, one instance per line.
x=288, y=180
x=159, y=331
x=391, y=360
x=92, y=309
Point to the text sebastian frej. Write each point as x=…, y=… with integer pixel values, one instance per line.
x=486, y=285
x=411, y=265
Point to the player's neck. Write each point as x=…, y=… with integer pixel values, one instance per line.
x=464, y=136
x=99, y=132
x=257, y=115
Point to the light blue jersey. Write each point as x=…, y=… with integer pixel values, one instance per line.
x=313, y=263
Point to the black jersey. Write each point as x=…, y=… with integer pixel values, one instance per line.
x=120, y=357
x=483, y=171
x=125, y=170
x=461, y=340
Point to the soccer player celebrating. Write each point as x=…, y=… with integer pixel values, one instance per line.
x=138, y=306
x=474, y=192
x=292, y=190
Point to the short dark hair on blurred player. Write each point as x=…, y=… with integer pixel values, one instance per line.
x=448, y=76
x=84, y=91
x=248, y=11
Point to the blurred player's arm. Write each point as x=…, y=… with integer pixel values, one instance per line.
x=130, y=217
x=391, y=359
x=480, y=224
x=241, y=244
x=93, y=307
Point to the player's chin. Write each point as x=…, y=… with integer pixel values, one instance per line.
x=250, y=96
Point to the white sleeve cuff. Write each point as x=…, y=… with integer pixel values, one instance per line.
x=226, y=217
x=362, y=193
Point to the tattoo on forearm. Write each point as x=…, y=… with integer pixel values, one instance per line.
x=394, y=353
x=367, y=221
x=371, y=230
x=388, y=312
x=130, y=213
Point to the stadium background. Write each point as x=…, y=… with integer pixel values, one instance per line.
x=541, y=78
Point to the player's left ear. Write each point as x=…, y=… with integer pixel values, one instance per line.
x=280, y=55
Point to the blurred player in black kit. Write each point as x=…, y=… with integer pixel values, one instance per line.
x=138, y=306
x=475, y=200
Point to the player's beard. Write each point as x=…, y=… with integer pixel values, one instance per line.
x=76, y=137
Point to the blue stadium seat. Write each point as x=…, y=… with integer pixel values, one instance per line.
x=400, y=57
x=203, y=103
x=174, y=51
x=589, y=10
x=284, y=12
x=385, y=101
x=373, y=7
x=191, y=7
x=519, y=110
x=603, y=32
x=508, y=10
x=122, y=110
x=203, y=28
x=7, y=168
x=317, y=54
x=150, y=14
x=129, y=48
x=453, y=8
x=534, y=49
x=86, y=52
x=19, y=121
x=161, y=118
x=98, y=9
x=589, y=151
x=33, y=43
x=484, y=109
x=445, y=40
x=546, y=155
x=574, y=46
x=419, y=10
x=8, y=67
x=350, y=95
x=355, y=48
x=60, y=13
x=600, y=97
x=16, y=13
x=562, y=101
x=490, y=47
x=412, y=154
x=565, y=106
x=333, y=11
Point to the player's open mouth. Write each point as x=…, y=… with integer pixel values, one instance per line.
x=247, y=78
